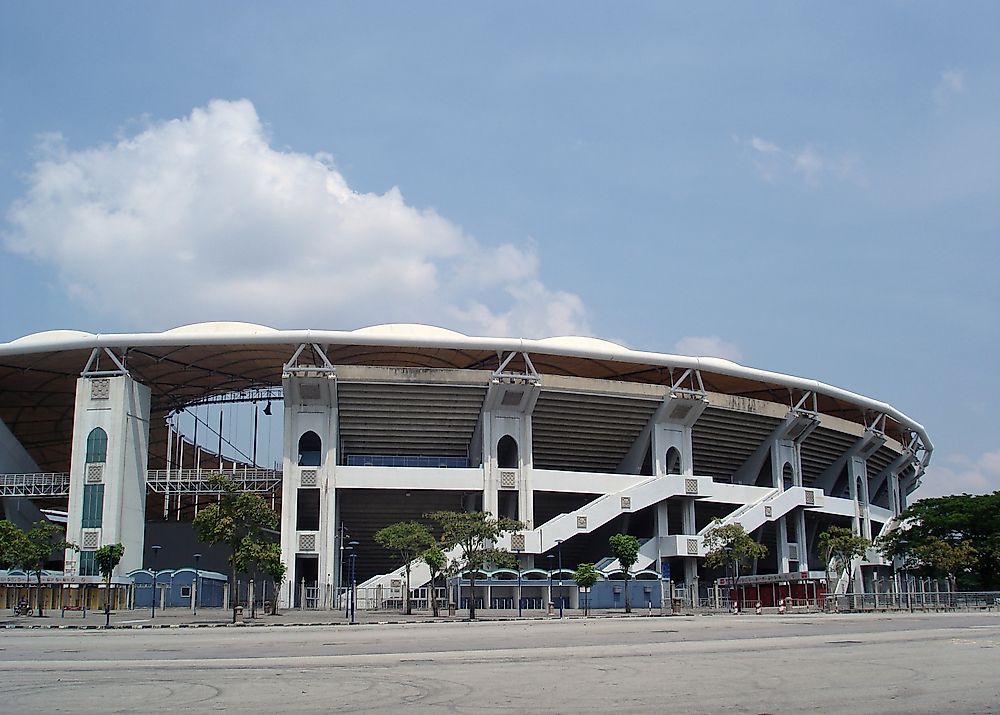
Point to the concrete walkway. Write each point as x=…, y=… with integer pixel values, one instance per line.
x=216, y=617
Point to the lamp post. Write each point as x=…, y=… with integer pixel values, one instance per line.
x=519, y=600
x=351, y=557
x=340, y=563
x=197, y=583
x=156, y=551
x=551, y=558
x=559, y=551
x=354, y=559
x=347, y=607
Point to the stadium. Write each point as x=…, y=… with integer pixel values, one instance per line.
x=578, y=438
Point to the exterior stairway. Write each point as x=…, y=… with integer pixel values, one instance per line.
x=584, y=520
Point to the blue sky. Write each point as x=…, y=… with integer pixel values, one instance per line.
x=814, y=190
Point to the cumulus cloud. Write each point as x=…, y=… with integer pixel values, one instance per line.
x=808, y=162
x=959, y=473
x=707, y=346
x=200, y=218
x=950, y=83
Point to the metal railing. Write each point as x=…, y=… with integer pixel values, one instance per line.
x=195, y=481
x=38, y=484
x=914, y=601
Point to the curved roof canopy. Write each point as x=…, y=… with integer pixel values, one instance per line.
x=185, y=364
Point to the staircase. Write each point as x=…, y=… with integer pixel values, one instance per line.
x=770, y=507
x=584, y=520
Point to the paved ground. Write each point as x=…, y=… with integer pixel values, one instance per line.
x=924, y=663
x=143, y=618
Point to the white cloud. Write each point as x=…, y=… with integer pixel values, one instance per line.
x=707, y=346
x=950, y=83
x=764, y=146
x=809, y=162
x=200, y=218
x=960, y=474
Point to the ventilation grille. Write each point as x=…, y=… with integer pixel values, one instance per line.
x=793, y=552
x=100, y=388
x=508, y=479
x=90, y=539
x=307, y=542
x=581, y=522
x=517, y=542
x=309, y=390
x=308, y=477
x=810, y=498
x=692, y=547
x=626, y=503
x=690, y=486
x=95, y=474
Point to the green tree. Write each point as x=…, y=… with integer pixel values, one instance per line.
x=106, y=558
x=729, y=546
x=239, y=520
x=437, y=562
x=13, y=544
x=255, y=557
x=840, y=545
x=931, y=556
x=586, y=576
x=40, y=542
x=407, y=540
x=625, y=548
x=965, y=518
x=275, y=569
x=473, y=533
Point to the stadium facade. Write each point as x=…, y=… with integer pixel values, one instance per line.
x=578, y=438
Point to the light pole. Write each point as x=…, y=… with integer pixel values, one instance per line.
x=354, y=559
x=340, y=562
x=351, y=557
x=347, y=607
x=197, y=583
x=518, y=552
x=156, y=551
x=551, y=558
x=559, y=551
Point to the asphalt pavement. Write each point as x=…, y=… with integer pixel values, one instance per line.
x=873, y=663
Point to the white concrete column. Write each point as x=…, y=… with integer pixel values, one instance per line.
x=310, y=405
x=112, y=417
x=506, y=416
x=857, y=476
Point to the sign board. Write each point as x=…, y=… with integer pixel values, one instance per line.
x=665, y=570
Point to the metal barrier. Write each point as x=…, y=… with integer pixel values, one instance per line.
x=915, y=601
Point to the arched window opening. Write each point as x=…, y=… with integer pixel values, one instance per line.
x=673, y=461
x=97, y=446
x=787, y=476
x=507, y=452
x=310, y=450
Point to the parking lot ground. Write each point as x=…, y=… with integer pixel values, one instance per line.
x=923, y=663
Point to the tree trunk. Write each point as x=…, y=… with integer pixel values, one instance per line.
x=234, y=595
x=107, y=600
x=407, y=609
x=38, y=593
x=628, y=602
x=252, y=595
x=433, y=595
x=472, y=595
